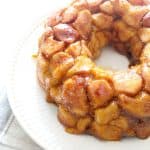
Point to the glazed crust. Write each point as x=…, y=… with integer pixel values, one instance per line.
x=104, y=103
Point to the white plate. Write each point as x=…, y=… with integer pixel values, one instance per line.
x=38, y=118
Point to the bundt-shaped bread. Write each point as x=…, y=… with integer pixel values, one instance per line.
x=107, y=104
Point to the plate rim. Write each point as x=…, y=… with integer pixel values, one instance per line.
x=13, y=59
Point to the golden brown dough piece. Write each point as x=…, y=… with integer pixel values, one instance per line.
x=105, y=103
x=138, y=106
x=100, y=93
x=128, y=82
x=83, y=24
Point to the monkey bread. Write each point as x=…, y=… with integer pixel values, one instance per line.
x=101, y=102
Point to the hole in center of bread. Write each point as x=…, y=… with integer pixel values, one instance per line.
x=111, y=59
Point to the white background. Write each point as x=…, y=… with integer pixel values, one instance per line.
x=16, y=20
